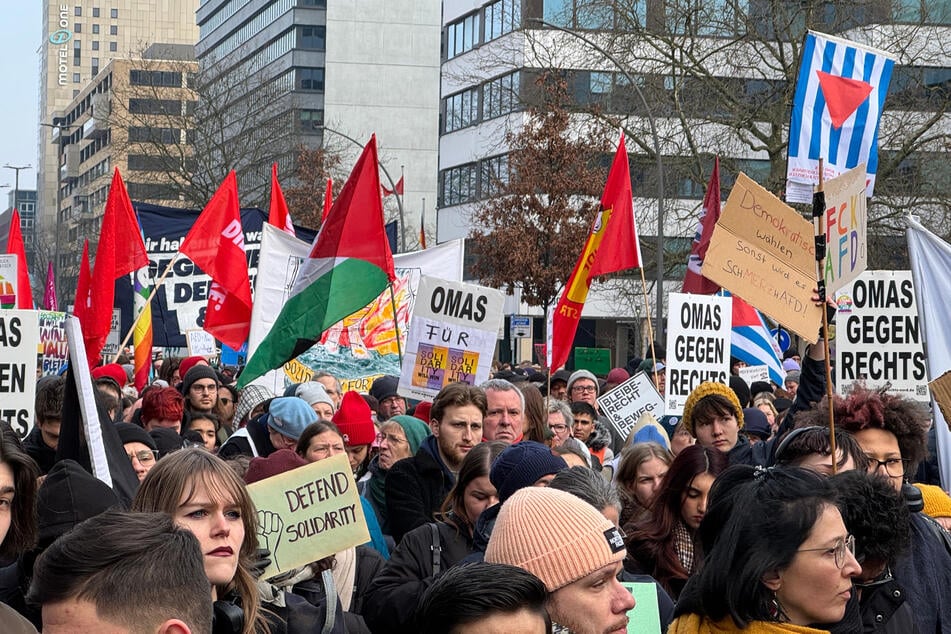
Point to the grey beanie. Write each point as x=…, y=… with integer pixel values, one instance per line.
x=313, y=392
x=584, y=374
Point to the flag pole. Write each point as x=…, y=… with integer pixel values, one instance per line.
x=650, y=328
x=396, y=324
x=818, y=215
x=148, y=301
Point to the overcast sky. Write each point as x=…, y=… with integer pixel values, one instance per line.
x=20, y=33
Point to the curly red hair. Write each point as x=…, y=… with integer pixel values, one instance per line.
x=162, y=404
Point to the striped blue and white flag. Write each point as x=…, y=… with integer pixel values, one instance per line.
x=838, y=103
x=752, y=341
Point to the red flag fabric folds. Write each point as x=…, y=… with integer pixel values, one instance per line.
x=216, y=244
x=278, y=214
x=81, y=303
x=15, y=247
x=49, y=295
x=397, y=189
x=694, y=281
x=328, y=200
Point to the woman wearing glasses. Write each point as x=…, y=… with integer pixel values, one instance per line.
x=139, y=446
x=778, y=556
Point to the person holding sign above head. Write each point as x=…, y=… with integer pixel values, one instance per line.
x=416, y=487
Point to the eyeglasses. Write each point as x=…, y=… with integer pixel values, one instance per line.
x=894, y=467
x=390, y=438
x=585, y=389
x=558, y=428
x=203, y=388
x=839, y=551
x=145, y=457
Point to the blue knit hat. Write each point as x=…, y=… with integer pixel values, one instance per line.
x=289, y=416
x=521, y=465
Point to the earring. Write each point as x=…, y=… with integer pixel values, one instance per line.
x=775, y=609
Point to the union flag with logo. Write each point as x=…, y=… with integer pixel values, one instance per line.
x=840, y=93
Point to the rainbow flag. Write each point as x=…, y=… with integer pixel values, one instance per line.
x=142, y=332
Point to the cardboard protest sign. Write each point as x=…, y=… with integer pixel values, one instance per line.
x=624, y=404
x=8, y=281
x=200, y=343
x=19, y=338
x=111, y=347
x=878, y=338
x=753, y=373
x=645, y=615
x=308, y=513
x=452, y=336
x=941, y=390
x=763, y=251
x=698, y=344
x=846, y=220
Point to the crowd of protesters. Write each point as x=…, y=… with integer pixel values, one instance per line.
x=513, y=506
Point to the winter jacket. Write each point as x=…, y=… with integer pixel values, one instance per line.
x=394, y=595
x=885, y=609
x=599, y=442
x=12, y=623
x=482, y=533
x=416, y=488
x=925, y=574
x=34, y=446
x=253, y=442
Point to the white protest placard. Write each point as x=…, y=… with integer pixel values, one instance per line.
x=698, y=345
x=308, y=513
x=452, y=335
x=8, y=281
x=19, y=339
x=111, y=347
x=200, y=343
x=624, y=404
x=878, y=339
x=753, y=373
x=845, y=220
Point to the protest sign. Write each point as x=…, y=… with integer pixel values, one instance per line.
x=595, y=360
x=452, y=336
x=645, y=615
x=200, y=343
x=941, y=391
x=845, y=219
x=698, y=344
x=878, y=339
x=19, y=339
x=111, y=347
x=308, y=513
x=624, y=404
x=764, y=252
x=753, y=373
x=8, y=281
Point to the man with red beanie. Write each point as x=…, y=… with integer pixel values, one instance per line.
x=355, y=422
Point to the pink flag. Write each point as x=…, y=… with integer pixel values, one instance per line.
x=49, y=297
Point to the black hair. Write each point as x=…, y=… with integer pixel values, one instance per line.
x=314, y=429
x=441, y=612
x=814, y=439
x=581, y=407
x=49, y=398
x=23, y=522
x=755, y=522
x=875, y=514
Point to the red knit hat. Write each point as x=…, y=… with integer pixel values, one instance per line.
x=423, y=411
x=189, y=363
x=112, y=371
x=278, y=462
x=355, y=420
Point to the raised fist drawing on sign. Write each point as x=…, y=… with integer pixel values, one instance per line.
x=270, y=527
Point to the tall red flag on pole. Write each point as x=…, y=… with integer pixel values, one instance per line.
x=15, y=247
x=49, y=295
x=278, y=214
x=328, y=200
x=397, y=189
x=120, y=251
x=81, y=303
x=612, y=246
x=216, y=244
x=694, y=281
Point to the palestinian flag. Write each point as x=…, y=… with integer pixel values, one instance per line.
x=349, y=264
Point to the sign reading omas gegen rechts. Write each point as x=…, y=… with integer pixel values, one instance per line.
x=698, y=345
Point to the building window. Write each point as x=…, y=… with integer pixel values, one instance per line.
x=500, y=96
x=78, y=11
x=95, y=29
x=95, y=66
x=310, y=79
x=113, y=47
x=501, y=17
x=75, y=78
x=462, y=35
x=170, y=79
x=95, y=45
x=311, y=120
x=581, y=14
x=77, y=53
x=462, y=110
x=322, y=4
x=77, y=28
x=155, y=106
x=113, y=30
x=148, y=134
x=494, y=175
x=114, y=13
x=312, y=37
x=458, y=184
x=95, y=12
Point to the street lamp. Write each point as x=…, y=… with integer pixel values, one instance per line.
x=60, y=127
x=399, y=198
x=660, y=162
x=16, y=186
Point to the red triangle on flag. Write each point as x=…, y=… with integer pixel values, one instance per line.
x=843, y=96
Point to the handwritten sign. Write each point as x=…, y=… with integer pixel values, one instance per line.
x=111, y=347
x=754, y=373
x=941, y=390
x=19, y=338
x=878, y=336
x=698, y=344
x=308, y=513
x=625, y=404
x=846, y=221
x=8, y=281
x=200, y=343
x=452, y=336
x=764, y=252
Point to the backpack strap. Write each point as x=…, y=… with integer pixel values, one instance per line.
x=436, y=548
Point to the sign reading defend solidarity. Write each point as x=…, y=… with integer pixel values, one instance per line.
x=764, y=252
x=308, y=513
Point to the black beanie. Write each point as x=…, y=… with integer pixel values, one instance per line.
x=133, y=433
x=741, y=389
x=198, y=372
x=69, y=495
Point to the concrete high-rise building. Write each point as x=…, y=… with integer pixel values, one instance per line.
x=314, y=73
x=80, y=37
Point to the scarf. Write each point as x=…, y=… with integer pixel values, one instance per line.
x=376, y=487
x=696, y=624
x=344, y=574
x=683, y=545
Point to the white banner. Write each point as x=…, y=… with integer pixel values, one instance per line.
x=878, y=339
x=753, y=373
x=624, y=404
x=19, y=340
x=698, y=345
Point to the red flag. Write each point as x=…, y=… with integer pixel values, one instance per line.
x=398, y=188
x=328, y=200
x=15, y=247
x=612, y=246
x=694, y=282
x=422, y=230
x=49, y=296
x=120, y=251
x=216, y=244
x=278, y=214
x=81, y=303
